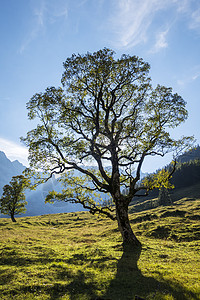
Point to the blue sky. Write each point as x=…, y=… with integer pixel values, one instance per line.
x=36, y=36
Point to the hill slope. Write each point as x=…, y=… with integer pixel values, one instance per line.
x=79, y=256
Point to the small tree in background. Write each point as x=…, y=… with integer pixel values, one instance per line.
x=161, y=181
x=13, y=201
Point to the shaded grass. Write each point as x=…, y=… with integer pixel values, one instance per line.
x=79, y=256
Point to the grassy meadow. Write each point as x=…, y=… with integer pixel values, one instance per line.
x=79, y=256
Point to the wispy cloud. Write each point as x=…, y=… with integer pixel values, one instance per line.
x=161, y=41
x=42, y=14
x=183, y=5
x=38, y=25
x=192, y=75
x=132, y=19
x=195, y=19
x=57, y=9
x=14, y=151
x=191, y=9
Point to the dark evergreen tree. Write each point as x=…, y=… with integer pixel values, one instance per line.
x=164, y=197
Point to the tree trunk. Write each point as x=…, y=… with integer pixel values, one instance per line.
x=129, y=238
x=12, y=217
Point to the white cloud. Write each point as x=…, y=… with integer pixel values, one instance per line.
x=190, y=9
x=195, y=19
x=14, y=151
x=192, y=75
x=131, y=20
x=39, y=14
x=182, y=6
x=57, y=9
x=46, y=11
x=161, y=41
x=38, y=24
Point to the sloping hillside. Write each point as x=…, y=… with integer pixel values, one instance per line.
x=145, y=203
x=77, y=256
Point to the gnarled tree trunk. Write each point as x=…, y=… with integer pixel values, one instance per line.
x=12, y=217
x=129, y=238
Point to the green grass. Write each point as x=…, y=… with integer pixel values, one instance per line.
x=79, y=256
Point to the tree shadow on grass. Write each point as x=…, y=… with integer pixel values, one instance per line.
x=6, y=276
x=78, y=288
x=15, y=257
x=129, y=282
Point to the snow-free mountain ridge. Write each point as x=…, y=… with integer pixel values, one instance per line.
x=36, y=199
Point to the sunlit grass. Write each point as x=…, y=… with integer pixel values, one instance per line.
x=79, y=256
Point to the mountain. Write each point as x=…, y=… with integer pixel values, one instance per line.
x=36, y=199
x=8, y=169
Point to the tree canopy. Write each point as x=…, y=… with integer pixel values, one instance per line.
x=107, y=115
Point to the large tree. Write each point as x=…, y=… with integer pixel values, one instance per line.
x=13, y=201
x=106, y=114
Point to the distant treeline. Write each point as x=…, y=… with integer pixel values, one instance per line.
x=186, y=174
x=193, y=154
x=187, y=171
